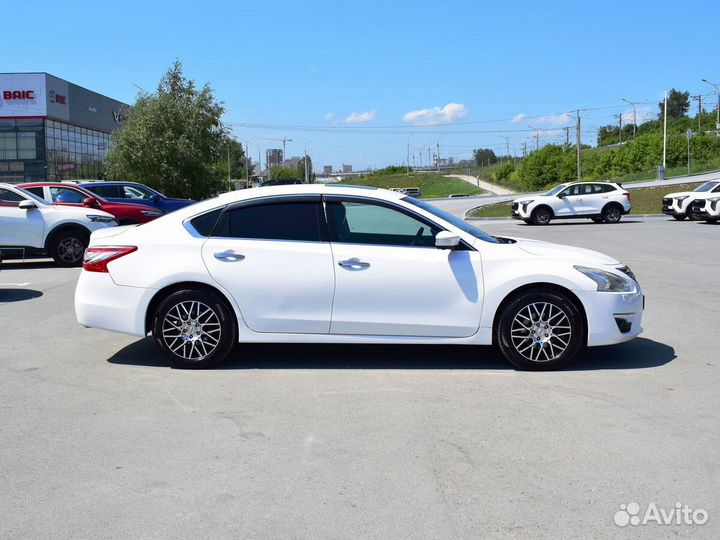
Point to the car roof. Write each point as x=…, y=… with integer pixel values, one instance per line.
x=108, y=182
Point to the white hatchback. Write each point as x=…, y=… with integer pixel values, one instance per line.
x=340, y=264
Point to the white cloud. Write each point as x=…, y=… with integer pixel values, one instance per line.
x=445, y=115
x=553, y=120
x=361, y=118
x=518, y=118
x=329, y=117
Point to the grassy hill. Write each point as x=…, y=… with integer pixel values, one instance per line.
x=430, y=185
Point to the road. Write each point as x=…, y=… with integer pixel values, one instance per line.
x=487, y=186
x=460, y=206
x=99, y=438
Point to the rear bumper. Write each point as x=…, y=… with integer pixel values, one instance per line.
x=100, y=303
x=612, y=317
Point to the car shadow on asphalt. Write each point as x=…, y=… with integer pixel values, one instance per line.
x=17, y=264
x=557, y=223
x=637, y=354
x=18, y=295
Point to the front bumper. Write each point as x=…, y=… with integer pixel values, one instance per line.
x=100, y=303
x=519, y=211
x=612, y=317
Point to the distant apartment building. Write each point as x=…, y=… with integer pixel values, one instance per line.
x=273, y=158
x=293, y=162
x=346, y=168
x=327, y=170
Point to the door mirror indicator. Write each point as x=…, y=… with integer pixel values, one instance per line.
x=27, y=204
x=446, y=240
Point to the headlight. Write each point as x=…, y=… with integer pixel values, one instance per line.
x=679, y=199
x=100, y=219
x=526, y=203
x=607, y=281
x=148, y=213
x=714, y=199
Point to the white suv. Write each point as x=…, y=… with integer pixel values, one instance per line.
x=30, y=226
x=678, y=204
x=706, y=209
x=599, y=201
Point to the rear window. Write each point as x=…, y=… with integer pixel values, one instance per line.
x=205, y=223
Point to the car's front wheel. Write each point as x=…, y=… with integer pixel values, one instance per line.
x=541, y=216
x=194, y=329
x=540, y=331
x=679, y=217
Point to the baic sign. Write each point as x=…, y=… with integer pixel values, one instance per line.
x=54, y=97
x=10, y=95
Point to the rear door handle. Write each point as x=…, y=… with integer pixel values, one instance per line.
x=354, y=264
x=229, y=256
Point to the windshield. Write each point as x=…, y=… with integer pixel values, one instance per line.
x=707, y=186
x=556, y=190
x=458, y=222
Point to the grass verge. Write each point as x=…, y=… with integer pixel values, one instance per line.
x=430, y=185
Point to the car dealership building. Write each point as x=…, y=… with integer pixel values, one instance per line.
x=52, y=129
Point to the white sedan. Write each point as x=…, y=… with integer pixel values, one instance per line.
x=343, y=264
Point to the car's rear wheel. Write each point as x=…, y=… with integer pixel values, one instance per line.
x=67, y=247
x=194, y=329
x=541, y=216
x=540, y=331
x=612, y=213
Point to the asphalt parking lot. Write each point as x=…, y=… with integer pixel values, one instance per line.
x=100, y=439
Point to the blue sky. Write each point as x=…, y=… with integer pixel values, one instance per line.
x=471, y=66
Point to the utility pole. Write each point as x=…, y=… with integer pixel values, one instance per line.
x=408, y=157
x=698, y=98
x=632, y=104
x=525, y=149
x=537, y=138
x=438, y=156
x=664, y=135
x=507, y=144
x=228, y=148
x=619, y=116
x=716, y=86
x=567, y=136
x=579, y=169
x=429, y=163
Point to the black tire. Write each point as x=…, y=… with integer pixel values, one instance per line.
x=199, y=328
x=68, y=247
x=545, y=343
x=679, y=217
x=541, y=216
x=612, y=213
x=597, y=220
x=527, y=221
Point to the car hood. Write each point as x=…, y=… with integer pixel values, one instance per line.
x=528, y=198
x=573, y=254
x=685, y=194
x=80, y=211
x=128, y=206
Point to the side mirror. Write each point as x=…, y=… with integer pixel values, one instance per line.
x=27, y=204
x=446, y=240
x=560, y=195
x=91, y=202
x=154, y=198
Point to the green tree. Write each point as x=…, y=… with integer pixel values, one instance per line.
x=284, y=173
x=549, y=165
x=301, y=170
x=172, y=140
x=484, y=156
x=503, y=172
x=234, y=150
x=678, y=104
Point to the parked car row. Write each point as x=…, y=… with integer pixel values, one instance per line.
x=702, y=203
x=56, y=219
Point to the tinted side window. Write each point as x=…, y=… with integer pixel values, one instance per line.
x=605, y=188
x=572, y=190
x=66, y=195
x=299, y=221
x=365, y=223
x=205, y=223
x=36, y=191
x=105, y=191
x=10, y=198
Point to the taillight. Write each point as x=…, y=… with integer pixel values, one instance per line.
x=627, y=194
x=96, y=259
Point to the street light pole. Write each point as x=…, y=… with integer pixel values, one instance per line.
x=632, y=104
x=716, y=86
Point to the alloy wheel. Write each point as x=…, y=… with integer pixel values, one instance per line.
x=191, y=330
x=70, y=250
x=541, y=332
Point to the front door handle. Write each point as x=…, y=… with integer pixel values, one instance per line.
x=229, y=256
x=354, y=264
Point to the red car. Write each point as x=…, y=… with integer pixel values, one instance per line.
x=72, y=195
